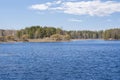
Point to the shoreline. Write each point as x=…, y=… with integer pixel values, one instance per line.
x=50, y=40
x=36, y=40
x=85, y=39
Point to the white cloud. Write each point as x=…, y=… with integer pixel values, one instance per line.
x=74, y=20
x=39, y=7
x=92, y=8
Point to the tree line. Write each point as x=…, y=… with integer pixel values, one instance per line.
x=86, y=34
x=6, y=35
x=36, y=32
x=110, y=34
x=39, y=32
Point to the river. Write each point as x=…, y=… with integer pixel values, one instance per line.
x=75, y=60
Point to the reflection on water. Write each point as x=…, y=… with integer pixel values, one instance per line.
x=76, y=60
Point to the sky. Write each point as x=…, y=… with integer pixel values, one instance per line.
x=65, y=14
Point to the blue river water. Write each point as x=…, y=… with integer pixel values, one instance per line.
x=75, y=60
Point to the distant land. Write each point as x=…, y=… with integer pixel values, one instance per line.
x=7, y=32
x=52, y=34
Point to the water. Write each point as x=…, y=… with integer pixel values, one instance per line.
x=76, y=60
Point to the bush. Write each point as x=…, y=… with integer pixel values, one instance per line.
x=1, y=38
x=56, y=37
x=59, y=37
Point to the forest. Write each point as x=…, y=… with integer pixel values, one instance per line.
x=39, y=32
x=36, y=32
x=110, y=34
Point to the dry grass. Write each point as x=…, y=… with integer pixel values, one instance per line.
x=41, y=40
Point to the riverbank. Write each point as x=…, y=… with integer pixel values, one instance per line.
x=36, y=40
x=41, y=40
x=85, y=39
x=51, y=40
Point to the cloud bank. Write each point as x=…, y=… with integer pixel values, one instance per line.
x=92, y=8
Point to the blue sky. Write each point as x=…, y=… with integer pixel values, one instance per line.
x=66, y=14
